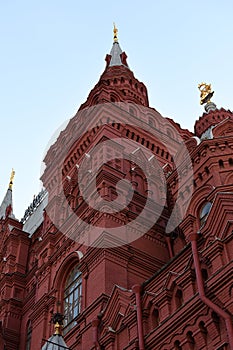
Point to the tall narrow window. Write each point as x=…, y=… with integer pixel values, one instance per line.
x=29, y=336
x=155, y=318
x=179, y=298
x=190, y=340
x=72, y=298
x=177, y=345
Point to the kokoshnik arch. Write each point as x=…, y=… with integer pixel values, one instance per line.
x=129, y=246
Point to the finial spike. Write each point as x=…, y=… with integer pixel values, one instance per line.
x=57, y=320
x=115, y=31
x=11, y=179
x=57, y=328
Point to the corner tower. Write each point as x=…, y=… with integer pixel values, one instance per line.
x=114, y=234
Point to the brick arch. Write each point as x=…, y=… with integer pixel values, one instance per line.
x=176, y=337
x=133, y=110
x=229, y=178
x=114, y=97
x=153, y=313
x=178, y=297
x=199, y=197
x=231, y=291
x=152, y=120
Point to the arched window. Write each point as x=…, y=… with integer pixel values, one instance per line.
x=204, y=212
x=204, y=273
x=155, y=318
x=179, y=298
x=216, y=321
x=177, y=345
x=72, y=298
x=190, y=340
x=29, y=336
x=203, y=330
x=221, y=164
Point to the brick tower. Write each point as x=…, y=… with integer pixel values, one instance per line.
x=129, y=245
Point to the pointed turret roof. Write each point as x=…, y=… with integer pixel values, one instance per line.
x=6, y=208
x=116, y=56
x=117, y=83
x=116, y=52
x=56, y=342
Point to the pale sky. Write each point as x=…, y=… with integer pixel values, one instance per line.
x=53, y=51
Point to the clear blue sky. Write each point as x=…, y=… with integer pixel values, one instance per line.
x=52, y=54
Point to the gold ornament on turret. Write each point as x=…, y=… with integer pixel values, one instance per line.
x=57, y=328
x=206, y=93
x=115, y=33
x=11, y=179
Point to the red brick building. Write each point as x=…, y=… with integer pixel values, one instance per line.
x=132, y=239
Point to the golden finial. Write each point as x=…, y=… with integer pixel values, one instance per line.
x=115, y=31
x=206, y=93
x=57, y=320
x=57, y=328
x=11, y=179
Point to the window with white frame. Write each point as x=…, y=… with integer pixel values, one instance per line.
x=72, y=298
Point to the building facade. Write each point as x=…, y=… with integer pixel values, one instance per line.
x=131, y=238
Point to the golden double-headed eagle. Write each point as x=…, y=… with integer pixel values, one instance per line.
x=206, y=93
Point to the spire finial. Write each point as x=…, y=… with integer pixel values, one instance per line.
x=11, y=179
x=57, y=320
x=57, y=328
x=115, y=31
x=206, y=93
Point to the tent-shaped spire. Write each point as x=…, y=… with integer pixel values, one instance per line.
x=118, y=57
x=117, y=83
x=56, y=341
x=6, y=208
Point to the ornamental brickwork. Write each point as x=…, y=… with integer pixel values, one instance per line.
x=134, y=290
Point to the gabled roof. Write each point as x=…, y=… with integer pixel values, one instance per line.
x=219, y=217
x=118, y=307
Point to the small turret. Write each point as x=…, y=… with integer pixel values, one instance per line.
x=212, y=115
x=56, y=341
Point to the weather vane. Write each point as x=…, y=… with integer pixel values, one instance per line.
x=115, y=31
x=11, y=179
x=206, y=93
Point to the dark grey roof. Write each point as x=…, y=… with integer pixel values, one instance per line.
x=35, y=218
x=5, y=203
x=56, y=342
x=116, y=55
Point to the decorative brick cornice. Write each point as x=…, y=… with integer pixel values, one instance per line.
x=209, y=119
